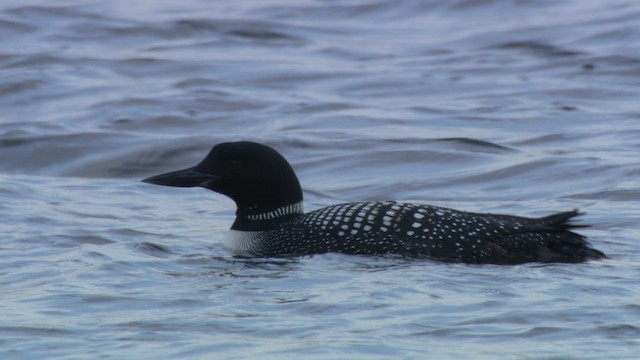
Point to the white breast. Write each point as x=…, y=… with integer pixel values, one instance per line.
x=242, y=243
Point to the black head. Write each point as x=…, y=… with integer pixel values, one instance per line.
x=255, y=176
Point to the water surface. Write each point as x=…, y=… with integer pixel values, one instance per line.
x=524, y=107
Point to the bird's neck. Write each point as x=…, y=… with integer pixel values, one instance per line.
x=263, y=218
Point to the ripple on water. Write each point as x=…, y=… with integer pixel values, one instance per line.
x=369, y=100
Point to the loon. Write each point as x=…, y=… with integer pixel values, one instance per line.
x=270, y=221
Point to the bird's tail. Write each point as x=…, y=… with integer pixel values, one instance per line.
x=562, y=221
x=568, y=243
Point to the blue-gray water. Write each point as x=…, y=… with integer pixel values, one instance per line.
x=521, y=107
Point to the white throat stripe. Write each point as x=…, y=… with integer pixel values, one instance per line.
x=285, y=210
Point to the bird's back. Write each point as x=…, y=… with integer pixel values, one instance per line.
x=376, y=228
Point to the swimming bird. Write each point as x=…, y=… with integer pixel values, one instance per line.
x=270, y=221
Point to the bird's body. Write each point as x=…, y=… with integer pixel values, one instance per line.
x=270, y=220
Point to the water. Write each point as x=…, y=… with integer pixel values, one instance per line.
x=522, y=107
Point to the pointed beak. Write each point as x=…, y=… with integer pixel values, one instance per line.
x=183, y=178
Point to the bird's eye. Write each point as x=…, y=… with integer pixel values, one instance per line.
x=234, y=165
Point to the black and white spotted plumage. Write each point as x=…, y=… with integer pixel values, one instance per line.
x=270, y=221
